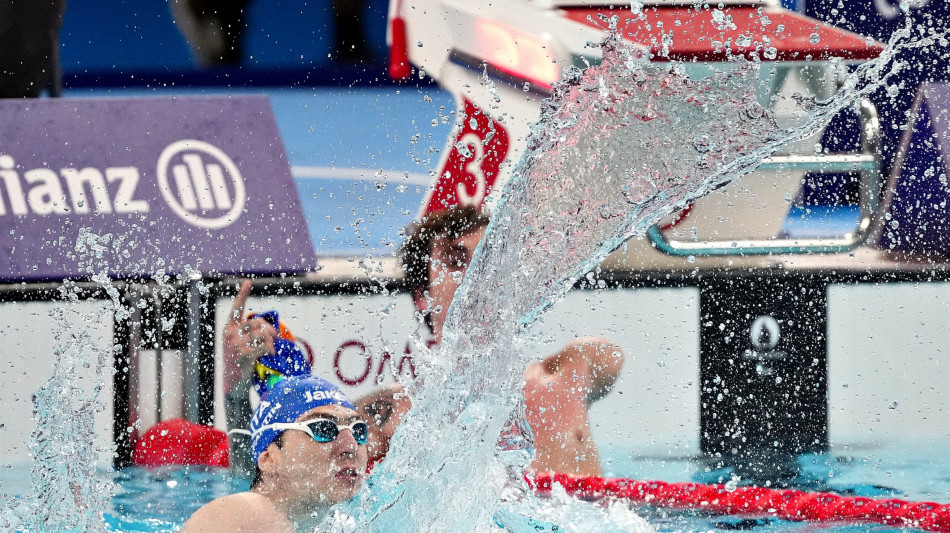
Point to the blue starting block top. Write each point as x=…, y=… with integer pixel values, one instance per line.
x=917, y=195
x=880, y=19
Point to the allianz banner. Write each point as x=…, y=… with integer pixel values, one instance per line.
x=146, y=186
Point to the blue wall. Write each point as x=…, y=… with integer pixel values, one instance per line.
x=109, y=37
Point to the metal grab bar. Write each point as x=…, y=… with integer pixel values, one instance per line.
x=865, y=163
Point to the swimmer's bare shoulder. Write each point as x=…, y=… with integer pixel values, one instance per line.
x=245, y=512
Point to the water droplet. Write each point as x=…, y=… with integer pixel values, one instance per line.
x=752, y=112
x=463, y=150
x=770, y=53
x=703, y=143
x=814, y=38
x=691, y=259
x=744, y=40
x=472, y=123
x=895, y=224
x=732, y=484
x=419, y=44
x=893, y=405
x=639, y=190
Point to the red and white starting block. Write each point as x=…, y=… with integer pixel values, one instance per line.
x=499, y=60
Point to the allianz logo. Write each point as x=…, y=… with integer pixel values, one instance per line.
x=196, y=179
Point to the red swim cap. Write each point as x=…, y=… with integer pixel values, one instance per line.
x=180, y=442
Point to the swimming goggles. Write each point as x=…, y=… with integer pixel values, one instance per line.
x=320, y=429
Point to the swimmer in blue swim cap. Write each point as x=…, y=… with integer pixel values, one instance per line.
x=309, y=446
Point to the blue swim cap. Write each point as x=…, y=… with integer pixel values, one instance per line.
x=286, y=401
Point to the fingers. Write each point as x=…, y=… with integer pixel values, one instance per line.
x=237, y=310
x=267, y=335
x=382, y=403
x=246, y=340
x=254, y=337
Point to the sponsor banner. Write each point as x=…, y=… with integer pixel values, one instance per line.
x=469, y=172
x=135, y=187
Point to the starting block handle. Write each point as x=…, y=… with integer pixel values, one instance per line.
x=865, y=163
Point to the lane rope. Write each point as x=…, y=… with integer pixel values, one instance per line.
x=785, y=504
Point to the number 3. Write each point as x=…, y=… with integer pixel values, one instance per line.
x=474, y=168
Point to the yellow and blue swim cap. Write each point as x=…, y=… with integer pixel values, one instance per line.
x=287, y=360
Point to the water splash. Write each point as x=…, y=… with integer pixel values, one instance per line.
x=562, y=513
x=67, y=495
x=618, y=147
x=62, y=445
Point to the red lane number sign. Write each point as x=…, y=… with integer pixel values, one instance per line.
x=470, y=170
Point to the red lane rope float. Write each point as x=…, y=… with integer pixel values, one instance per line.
x=790, y=505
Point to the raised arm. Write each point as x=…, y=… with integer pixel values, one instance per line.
x=598, y=359
x=245, y=340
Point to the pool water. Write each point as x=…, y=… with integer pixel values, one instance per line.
x=161, y=500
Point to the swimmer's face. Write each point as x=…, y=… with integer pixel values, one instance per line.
x=450, y=260
x=326, y=473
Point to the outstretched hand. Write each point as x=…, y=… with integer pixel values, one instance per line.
x=245, y=340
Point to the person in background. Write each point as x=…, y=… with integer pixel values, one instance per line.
x=309, y=451
x=214, y=30
x=558, y=390
x=29, y=48
x=258, y=350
